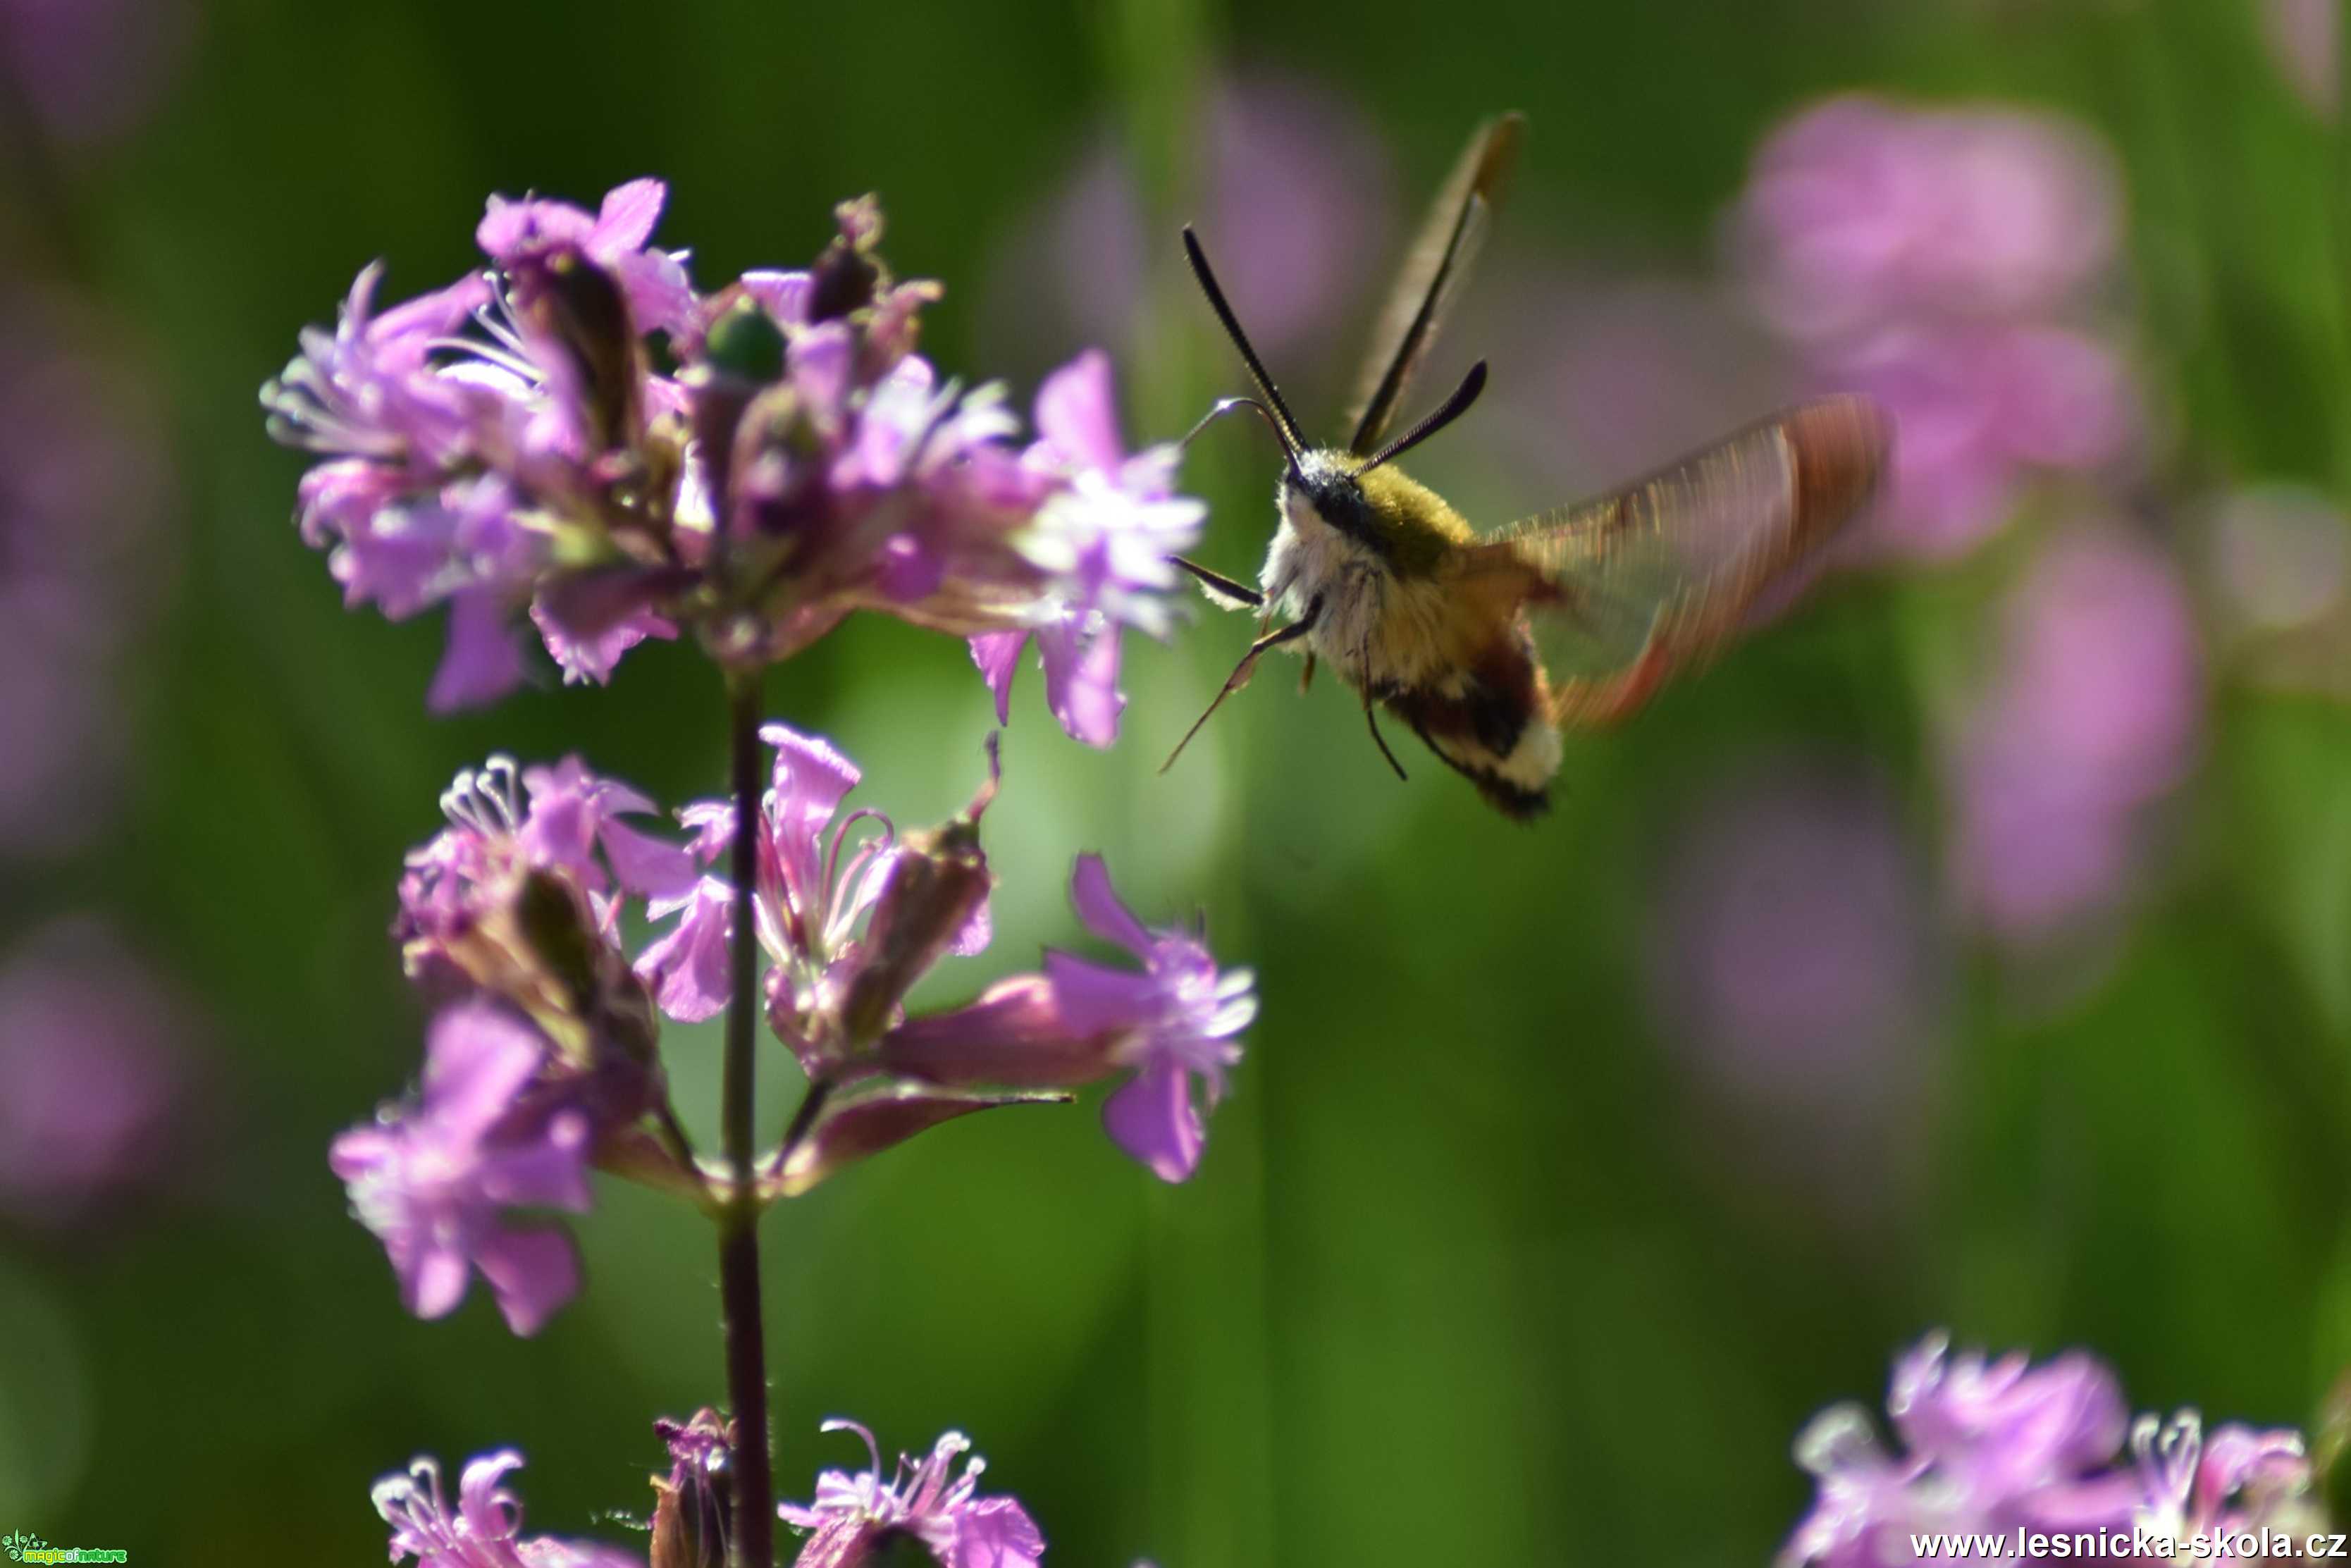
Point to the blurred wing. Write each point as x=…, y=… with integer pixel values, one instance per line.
x=1627, y=590
x=1431, y=278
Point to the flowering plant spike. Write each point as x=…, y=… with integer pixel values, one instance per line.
x=573, y=446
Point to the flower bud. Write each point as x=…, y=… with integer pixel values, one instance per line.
x=848, y=274
x=560, y=934
x=938, y=888
x=691, y=1517
x=578, y=307
x=746, y=343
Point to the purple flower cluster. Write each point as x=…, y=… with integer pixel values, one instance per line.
x=545, y=1057
x=1947, y=261
x=507, y=444
x=542, y=1059
x=2091, y=718
x=1999, y=1446
x=853, y=1520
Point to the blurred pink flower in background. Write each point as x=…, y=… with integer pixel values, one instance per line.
x=2091, y=717
x=1295, y=201
x=1795, y=958
x=1945, y=261
x=2301, y=38
x=93, y=1074
x=81, y=496
x=89, y=69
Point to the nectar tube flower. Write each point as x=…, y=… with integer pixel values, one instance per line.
x=853, y=1520
x=432, y=1179
x=486, y=1529
x=1172, y=1028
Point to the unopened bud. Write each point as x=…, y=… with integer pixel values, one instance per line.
x=939, y=885
x=848, y=274
x=579, y=306
x=746, y=343
x=694, y=1502
x=560, y=935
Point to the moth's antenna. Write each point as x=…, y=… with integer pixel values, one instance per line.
x=1444, y=414
x=1284, y=425
x=1225, y=406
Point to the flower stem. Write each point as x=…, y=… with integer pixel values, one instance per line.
x=752, y=1541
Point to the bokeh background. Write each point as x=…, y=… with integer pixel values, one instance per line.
x=1972, y=950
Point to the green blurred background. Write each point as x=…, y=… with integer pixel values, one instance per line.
x=1486, y=1263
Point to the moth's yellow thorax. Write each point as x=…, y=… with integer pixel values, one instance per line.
x=1418, y=526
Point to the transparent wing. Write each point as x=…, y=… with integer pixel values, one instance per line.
x=1627, y=590
x=1430, y=278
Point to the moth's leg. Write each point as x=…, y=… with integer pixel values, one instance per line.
x=1240, y=677
x=1221, y=588
x=1370, y=713
x=1372, y=717
x=1306, y=674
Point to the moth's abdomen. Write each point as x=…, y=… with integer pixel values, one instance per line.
x=1487, y=720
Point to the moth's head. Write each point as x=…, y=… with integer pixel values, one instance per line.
x=1325, y=485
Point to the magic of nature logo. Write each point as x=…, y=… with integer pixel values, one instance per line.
x=23, y=1548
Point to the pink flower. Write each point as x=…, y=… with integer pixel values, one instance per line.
x=486, y=1530
x=1171, y=1028
x=432, y=1179
x=1104, y=536
x=853, y=1519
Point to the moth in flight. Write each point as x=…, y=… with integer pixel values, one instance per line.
x=1485, y=645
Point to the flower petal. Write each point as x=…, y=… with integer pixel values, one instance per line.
x=998, y=654
x=532, y=1273
x=1015, y=1033
x=1153, y=1118
x=482, y=662
x=1077, y=412
x=627, y=218
x=645, y=865
x=1081, y=684
x=478, y=1059
x=1099, y=906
